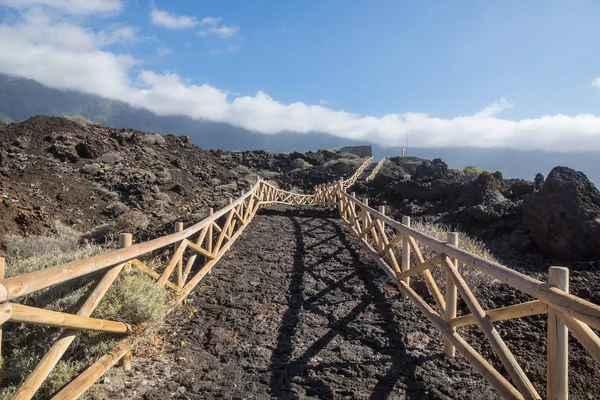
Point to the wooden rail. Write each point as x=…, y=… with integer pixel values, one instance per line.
x=350, y=181
x=376, y=169
x=379, y=234
x=198, y=239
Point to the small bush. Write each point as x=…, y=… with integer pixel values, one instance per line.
x=299, y=163
x=473, y=277
x=21, y=248
x=116, y=208
x=92, y=169
x=229, y=187
x=472, y=170
x=135, y=299
x=110, y=158
x=152, y=138
x=105, y=193
x=132, y=222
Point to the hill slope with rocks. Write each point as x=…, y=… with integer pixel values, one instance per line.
x=88, y=176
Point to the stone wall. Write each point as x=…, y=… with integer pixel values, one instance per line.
x=361, y=151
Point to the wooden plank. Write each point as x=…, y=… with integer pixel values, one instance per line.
x=17, y=286
x=526, y=309
x=451, y=297
x=171, y=266
x=83, y=382
x=200, y=250
x=405, y=250
x=223, y=233
x=584, y=334
x=508, y=360
x=5, y=312
x=574, y=306
x=491, y=375
x=32, y=315
x=146, y=269
x=557, y=378
x=433, y=288
x=35, y=379
x=179, y=276
x=198, y=277
x=424, y=266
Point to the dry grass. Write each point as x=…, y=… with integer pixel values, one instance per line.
x=472, y=277
x=133, y=298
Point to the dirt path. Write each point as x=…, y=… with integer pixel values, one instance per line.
x=297, y=310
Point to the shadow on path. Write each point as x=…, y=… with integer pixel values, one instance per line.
x=389, y=346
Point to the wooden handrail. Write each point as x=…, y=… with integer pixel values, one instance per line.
x=568, y=304
x=21, y=285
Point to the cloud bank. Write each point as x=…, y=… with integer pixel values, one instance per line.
x=171, y=21
x=60, y=52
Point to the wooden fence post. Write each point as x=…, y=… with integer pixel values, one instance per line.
x=451, y=296
x=126, y=240
x=558, y=342
x=209, y=239
x=179, y=228
x=405, y=250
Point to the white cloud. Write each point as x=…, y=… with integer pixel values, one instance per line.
x=74, y=7
x=163, y=51
x=171, y=21
x=596, y=82
x=66, y=55
x=212, y=26
x=210, y=21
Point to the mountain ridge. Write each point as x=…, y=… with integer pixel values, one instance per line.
x=22, y=98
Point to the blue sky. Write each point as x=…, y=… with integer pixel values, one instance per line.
x=440, y=57
x=504, y=71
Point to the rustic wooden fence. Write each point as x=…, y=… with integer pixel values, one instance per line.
x=381, y=235
x=203, y=244
x=384, y=238
x=375, y=170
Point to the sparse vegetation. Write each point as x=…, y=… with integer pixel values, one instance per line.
x=299, y=163
x=473, y=277
x=473, y=170
x=133, y=298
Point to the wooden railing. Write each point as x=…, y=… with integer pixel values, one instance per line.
x=352, y=180
x=376, y=170
x=203, y=244
x=381, y=236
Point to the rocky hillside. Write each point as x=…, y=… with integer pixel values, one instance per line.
x=555, y=217
x=103, y=181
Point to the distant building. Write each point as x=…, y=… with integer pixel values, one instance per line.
x=361, y=151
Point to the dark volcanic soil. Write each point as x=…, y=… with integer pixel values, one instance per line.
x=297, y=310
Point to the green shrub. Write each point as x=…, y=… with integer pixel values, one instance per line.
x=19, y=248
x=473, y=170
x=471, y=276
x=299, y=163
x=134, y=298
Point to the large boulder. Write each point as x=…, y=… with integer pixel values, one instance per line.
x=563, y=217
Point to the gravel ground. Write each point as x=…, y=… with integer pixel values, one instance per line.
x=297, y=310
